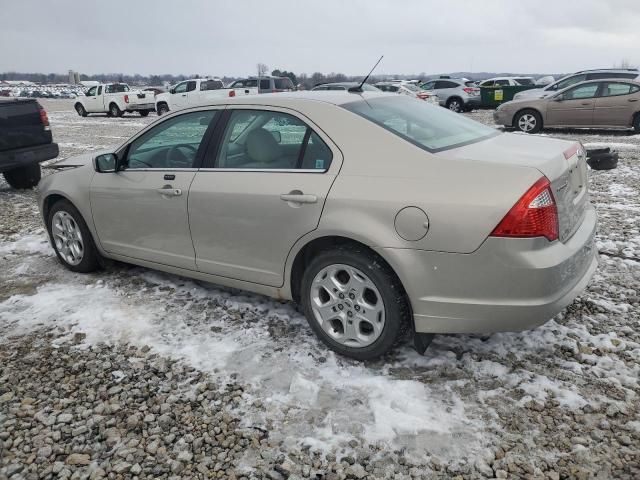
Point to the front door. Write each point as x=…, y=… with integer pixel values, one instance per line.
x=141, y=211
x=180, y=95
x=265, y=190
x=573, y=107
x=93, y=101
x=616, y=105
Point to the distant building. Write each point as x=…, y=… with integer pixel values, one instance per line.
x=74, y=78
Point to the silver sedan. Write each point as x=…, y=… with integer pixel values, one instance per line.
x=377, y=213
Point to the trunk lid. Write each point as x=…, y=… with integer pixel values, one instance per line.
x=561, y=161
x=21, y=125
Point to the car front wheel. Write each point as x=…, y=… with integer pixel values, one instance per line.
x=71, y=238
x=354, y=302
x=528, y=121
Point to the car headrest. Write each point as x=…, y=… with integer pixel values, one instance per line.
x=262, y=146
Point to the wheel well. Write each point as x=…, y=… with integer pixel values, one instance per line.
x=113, y=103
x=50, y=202
x=311, y=249
x=533, y=110
x=454, y=97
x=78, y=104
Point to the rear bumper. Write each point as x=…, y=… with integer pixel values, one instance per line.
x=140, y=106
x=472, y=101
x=506, y=285
x=13, y=159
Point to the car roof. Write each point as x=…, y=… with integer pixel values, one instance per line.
x=600, y=80
x=289, y=99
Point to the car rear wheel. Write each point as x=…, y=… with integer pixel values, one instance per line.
x=71, y=238
x=528, y=121
x=24, y=177
x=115, y=111
x=144, y=113
x=455, y=105
x=636, y=123
x=354, y=303
x=80, y=109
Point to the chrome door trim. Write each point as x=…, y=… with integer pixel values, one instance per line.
x=159, y=170
x=277, y=170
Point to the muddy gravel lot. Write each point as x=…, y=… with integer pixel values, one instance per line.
x=132, y=373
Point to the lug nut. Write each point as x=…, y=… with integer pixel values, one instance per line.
x=350, y=313
x=341, y=296
x=340, y=306
x=352, y=296
x=357, y=307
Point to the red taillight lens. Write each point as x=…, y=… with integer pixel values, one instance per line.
x=126, y=99
x=43, y=117
x=534, y=215
x=471, y=91
x=232, y=93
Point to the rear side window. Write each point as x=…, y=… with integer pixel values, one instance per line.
x=283, y=84
x=524, y=81
x=614, y=89
x=446, y=84
x=100, y=90
x=502, y=83
x=473, y=84
x=431, y=128
x=248, y=83
x=270, y=140
x=116, y=88
x=211, y=85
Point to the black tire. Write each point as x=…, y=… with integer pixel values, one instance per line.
x=80, y=109
x=115, y=111
x=528, y=121
x=603, y=161
x=455, y=104
x=91, y=258
x=396, y=306
x=163, y=108
x=143, y=113
x=24, y=177
x=636, y=123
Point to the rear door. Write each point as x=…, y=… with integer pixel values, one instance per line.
x=574, y=107
x=616, y=105
x=140, y=212
x=263, y=188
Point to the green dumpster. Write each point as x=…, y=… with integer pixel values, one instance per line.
x=491, y=97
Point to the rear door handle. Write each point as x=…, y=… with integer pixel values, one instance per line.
x=298, y=198
x=169, y=191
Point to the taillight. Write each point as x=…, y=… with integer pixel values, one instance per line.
x=534, y=215
x=126, y=99
x=232, y=93
x=43, y=117
x=471, y=91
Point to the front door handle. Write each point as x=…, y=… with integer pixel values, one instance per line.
x=298, y=198
x=169, y=191
x=632, y=100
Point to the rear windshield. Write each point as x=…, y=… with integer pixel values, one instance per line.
x=116, y=88
x=470, y=84
x=525, y=81
x=283, y=83
x=429, y=127
x=211, y=85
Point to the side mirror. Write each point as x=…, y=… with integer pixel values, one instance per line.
x=276, y=134
x=106, y=163
x=173, y=90
x=558, y=98
x=87, y=94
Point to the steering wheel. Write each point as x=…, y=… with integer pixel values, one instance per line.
x=177, y=155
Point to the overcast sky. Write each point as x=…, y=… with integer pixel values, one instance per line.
x=229, y=37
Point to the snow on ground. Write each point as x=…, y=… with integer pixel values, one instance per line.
x=562, y=398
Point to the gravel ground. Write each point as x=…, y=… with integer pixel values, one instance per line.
x=131, y=373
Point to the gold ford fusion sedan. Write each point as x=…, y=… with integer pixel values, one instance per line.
x=377, y=213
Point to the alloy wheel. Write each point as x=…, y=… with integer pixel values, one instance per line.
x=347, y=305
x=67, y=237
x=527, y=122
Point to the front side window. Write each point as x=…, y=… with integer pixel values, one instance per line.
x=180, y=88
x=172, y=144
x=612, y=89
x=432, y=128
x=191, y=86
x=583, y=91
x=267, y=140
x=92, y=91
x=487, y=83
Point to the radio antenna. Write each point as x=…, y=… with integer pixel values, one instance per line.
x=358, y=89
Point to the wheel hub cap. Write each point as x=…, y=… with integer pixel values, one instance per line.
x=527, y=123
x=67, y=238
x=347, y=306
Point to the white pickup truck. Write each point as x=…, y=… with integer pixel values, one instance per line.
x=196, y=92
x=114, y=99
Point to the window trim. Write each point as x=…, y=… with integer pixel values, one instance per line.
x=598, y=93
x=620, y=82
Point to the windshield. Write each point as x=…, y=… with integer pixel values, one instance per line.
x=431, y=128
x=567, y=82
